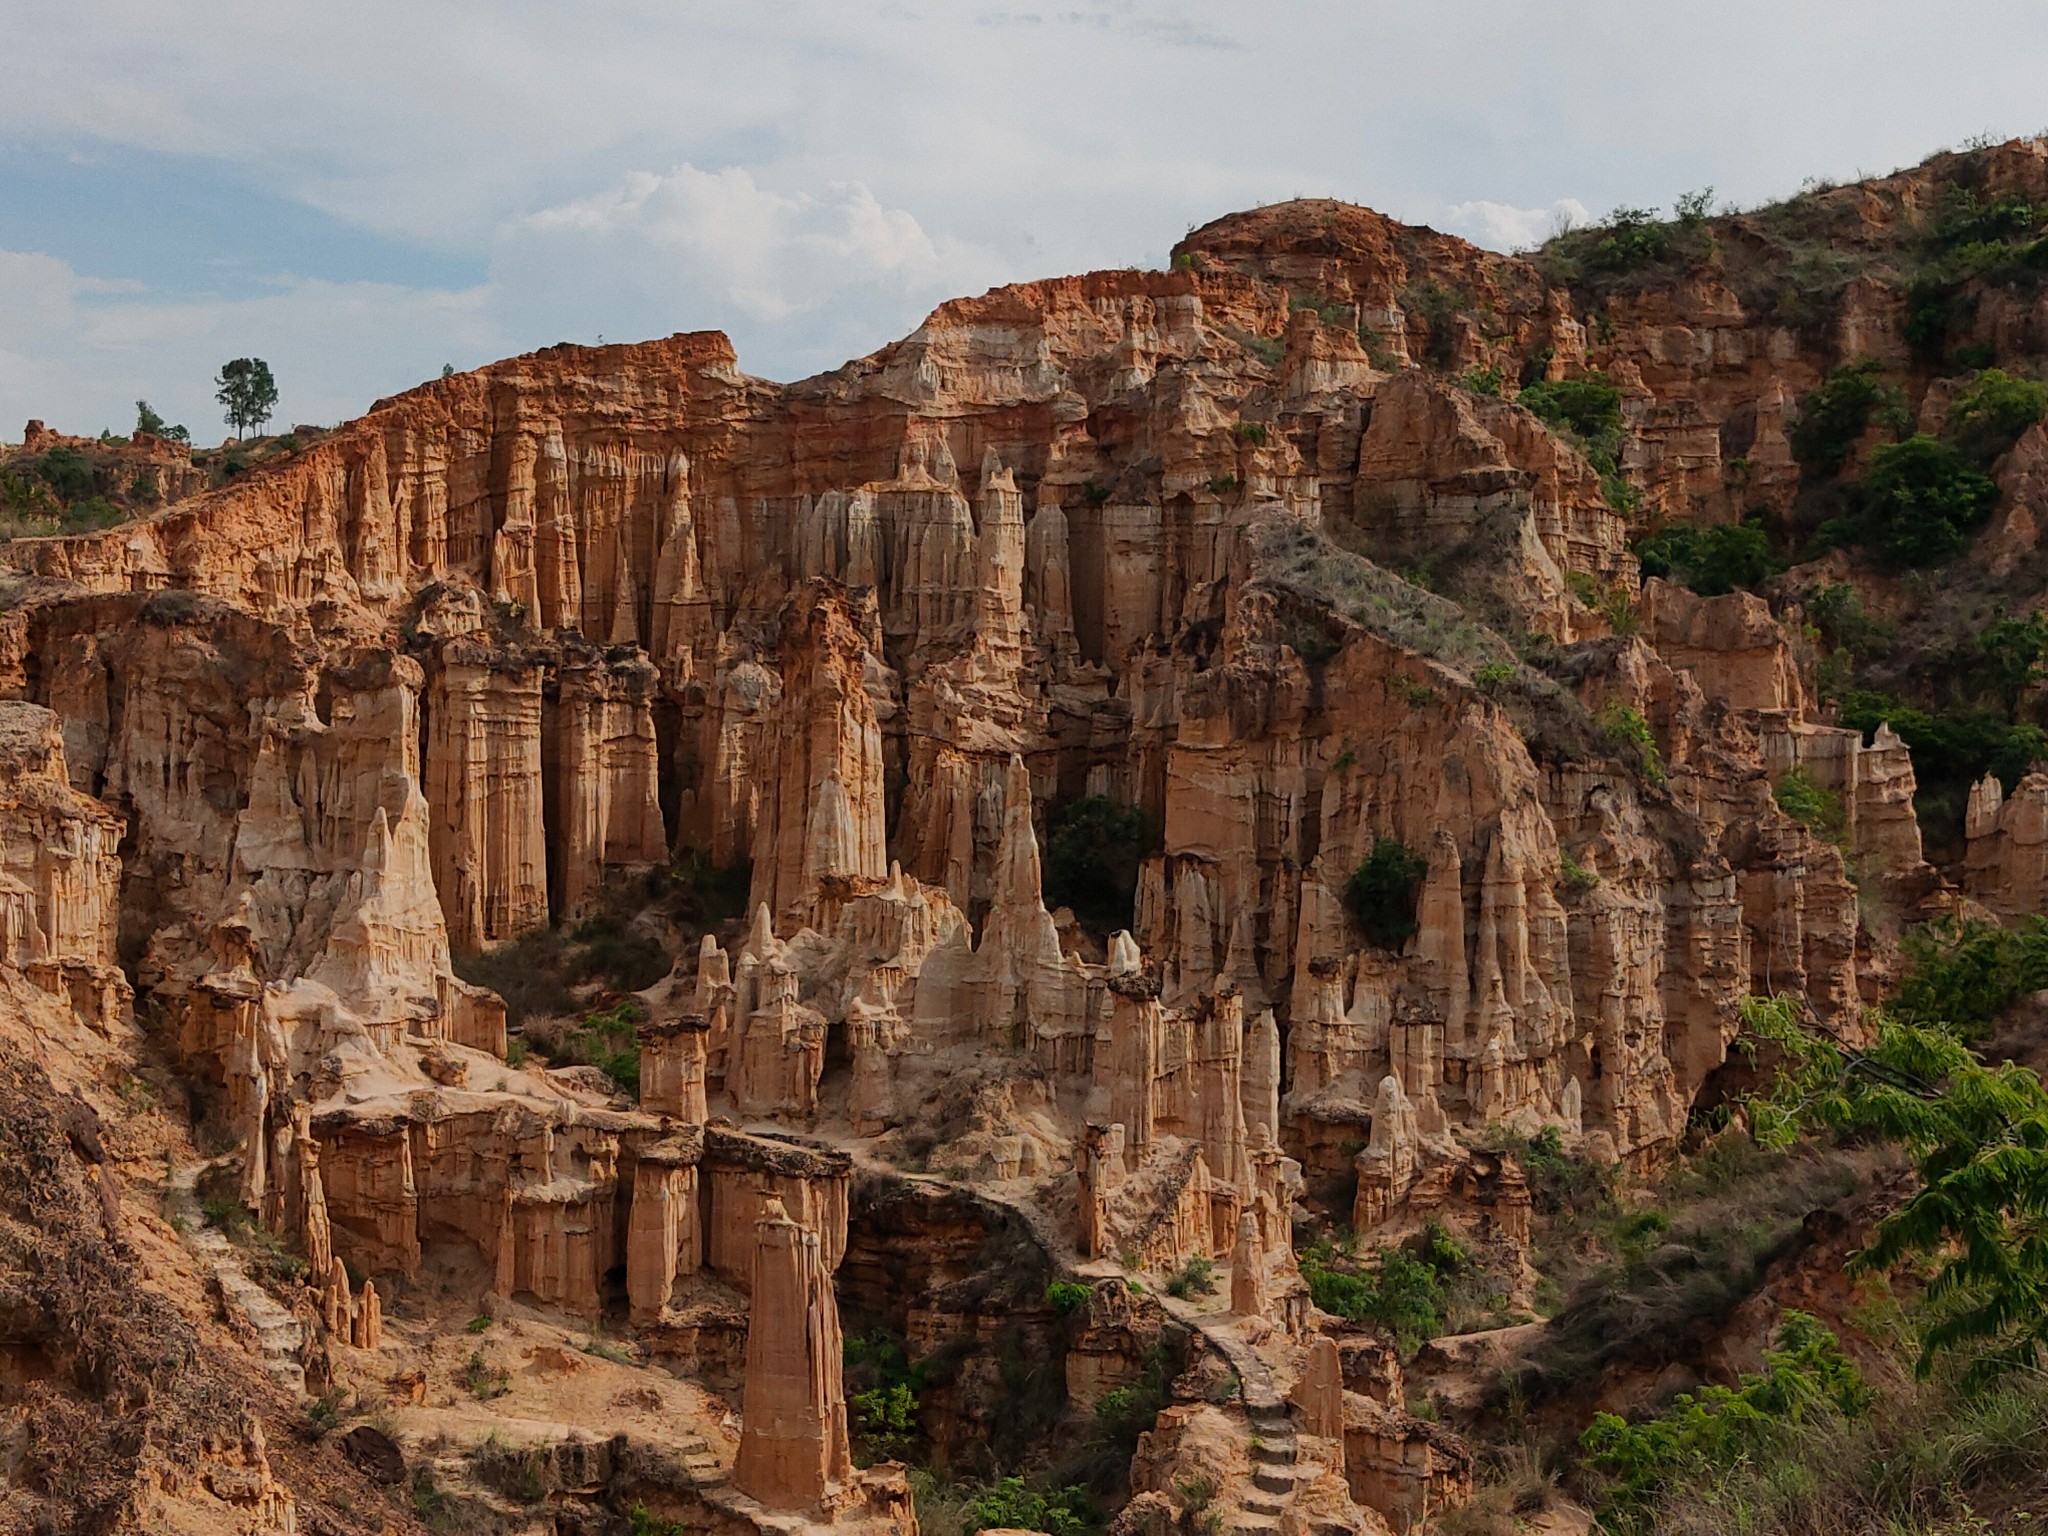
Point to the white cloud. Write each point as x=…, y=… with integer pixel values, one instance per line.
x=1499, y=227
x=802, y=280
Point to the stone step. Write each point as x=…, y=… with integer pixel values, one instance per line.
x=1273, y=1480
x=1246, y=1524
x=1263, y=1507
x=1278, y=1452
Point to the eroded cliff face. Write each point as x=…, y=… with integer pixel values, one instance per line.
x=468, y=667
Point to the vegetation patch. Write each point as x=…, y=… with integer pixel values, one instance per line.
x=1383, y=891
x=1094, y=846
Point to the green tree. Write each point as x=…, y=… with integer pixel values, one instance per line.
x=147, y=420
x=1383, y=890
x=1921, y=500
x=1092, y=855
x=1837, y=411
x=247, y=392
x=1988, y=417
x=1978, y=1137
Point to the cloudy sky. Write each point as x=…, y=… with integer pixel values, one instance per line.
x=360, y=190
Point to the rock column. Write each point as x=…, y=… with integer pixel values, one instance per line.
x=793, y=1444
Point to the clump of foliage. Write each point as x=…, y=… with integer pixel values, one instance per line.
x=1576, y=877
x=1952, y=747
x=1978, y=1139
x=1836, y=609
x=1012, y=1504
x=608, y=1039
x=1403, y=1294
x=1066, y=1297
x=1587, y=408
x=1197, y=1277
x=1624, y=726
x=1495, y=674
x=1483, y=380
x=1383, y=891
x=1249, y=432
x=1836, y=413
x=482, y=1380
x=882, y=1387
x=1804, y=1376
x=1814, y=807
x=1918, y=503
x=1989, y=414
x=1093, y=849
x=1965, y=974
x=1727, y=557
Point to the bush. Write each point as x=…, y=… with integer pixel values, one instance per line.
x=1576, y=877
x=1587, y=404
x=1197, y=1277
x=1817, y=809
x=1624, y=726
x=1093, y=849
x=1963, y=975
x=1383, y=891
x=66, y=472
x=1485, y=380
x=1836, y=412
x=1587, y=408
x=1066, y=1297
x=885, y=1420
x=1403, y=1296
x=1988, y=417
x=1804, y=1377
x=608, y=1039
x=1012, y=1505
x=1711, y=561
x=1920, y=501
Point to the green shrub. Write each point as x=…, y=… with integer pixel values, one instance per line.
x=1806, y=1375
x=608, y=1039
x=1836, y=609
x=1576, y=877
x=1383, y=891
x=1631, y=238
x=1066, y=1297
x=1964, y=975
x=1093, y=850
x=1712, y=561
x=1495, y=674
x=1624, y=726
x=1484, y=380
x=885, y=1419
x=1587, y=409
x=1013, y=1505
x=1403, y=1295
x=66, y=471
x=1197, y=1277
x=1252, y=432
x=1920, y=501
x=1988, y=417
x=1812, y=806
x=1587, y=404
x=1836, y=412
x=482, y=1380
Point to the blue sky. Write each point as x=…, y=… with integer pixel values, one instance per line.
x=361, y=192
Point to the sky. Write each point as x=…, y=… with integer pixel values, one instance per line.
x=362, y=192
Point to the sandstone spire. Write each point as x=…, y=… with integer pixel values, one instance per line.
x=793, y=1443
x=1248, y=1269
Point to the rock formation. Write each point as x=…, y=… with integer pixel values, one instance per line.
x=793, y=1447
x=1447, y=824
